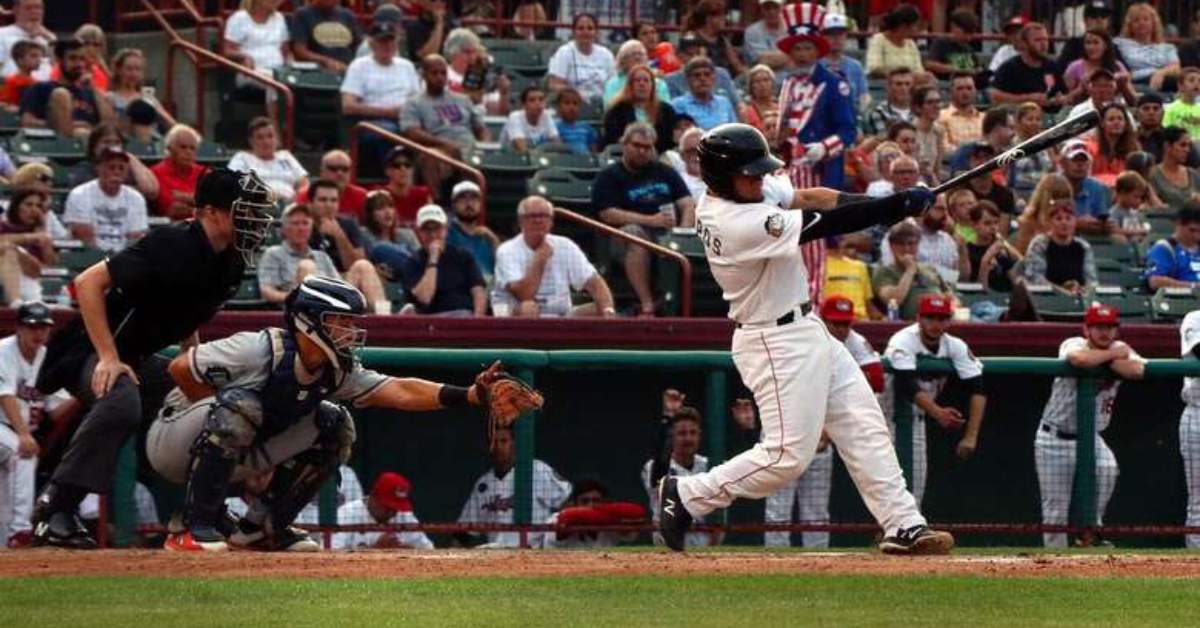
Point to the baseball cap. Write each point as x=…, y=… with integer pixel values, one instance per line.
x=388, y=13
x=935, y=305
x=838, y=309
x=696, y=63
x=1100, y=314
x=836, y=22
x=381, y=30
x=465, y=187
x=34, y=314
x=1075, y=148
x=981, y=147
x=113, y=152
x=399, y=151
x=1097, y=8
x=775, y=2
x=431, y=213
x=392, y=490
x=1015, y=22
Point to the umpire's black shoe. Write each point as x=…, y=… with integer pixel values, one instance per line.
x=61, y=529
x=673, y=519
x=917, y=540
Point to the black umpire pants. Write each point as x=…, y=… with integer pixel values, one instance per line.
x=90, y=459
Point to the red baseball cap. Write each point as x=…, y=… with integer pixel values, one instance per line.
x=935, y=305
x=1014, y=22
x=1100, y=314
x=391, y=490
x=838, y=309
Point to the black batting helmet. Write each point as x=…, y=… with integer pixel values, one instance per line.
x=734, y=149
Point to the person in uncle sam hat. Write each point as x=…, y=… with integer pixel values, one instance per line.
x=1054, y=445
x=816, y=118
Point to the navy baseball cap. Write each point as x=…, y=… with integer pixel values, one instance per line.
x=34, y=314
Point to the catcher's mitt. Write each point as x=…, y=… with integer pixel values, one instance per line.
x=505, y=398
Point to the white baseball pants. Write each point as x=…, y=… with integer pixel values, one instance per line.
x=920, y=456
x=804, y=380
x=17, y=478
x=1189, y=447
x=809, y=494
x=1055, y=460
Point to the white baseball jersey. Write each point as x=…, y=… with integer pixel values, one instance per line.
x=905, y=346
x=1189, y=337
x=777, y=188
x=356, y=513
x=864, y=354
x=17, y=379
x=754, y=252
x=492, y=500
x=1059, y=412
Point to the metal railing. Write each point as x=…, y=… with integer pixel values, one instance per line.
x=149, y=11
x=685, y=265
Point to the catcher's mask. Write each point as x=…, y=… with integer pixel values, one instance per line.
x=327, y=312
x=249, y=201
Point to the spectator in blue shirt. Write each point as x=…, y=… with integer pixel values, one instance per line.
x=846, y=67
x=1174, y=262
x=1092, y=198
x=705, y=107
x=580, y=136
x=467, y=229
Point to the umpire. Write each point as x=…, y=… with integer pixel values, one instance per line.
x=155, y=293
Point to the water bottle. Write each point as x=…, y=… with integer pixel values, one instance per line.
x=893, y=310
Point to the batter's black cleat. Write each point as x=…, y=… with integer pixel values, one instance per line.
x=917, y=541
x=61, y=529
x=673, y=519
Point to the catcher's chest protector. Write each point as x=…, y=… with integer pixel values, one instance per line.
x=285, y=400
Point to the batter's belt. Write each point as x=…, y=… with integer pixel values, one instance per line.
x=1057, y=432
x=786, y=319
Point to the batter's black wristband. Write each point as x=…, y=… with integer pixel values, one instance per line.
x=450, y=396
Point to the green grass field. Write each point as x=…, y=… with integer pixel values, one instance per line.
x=762, y=601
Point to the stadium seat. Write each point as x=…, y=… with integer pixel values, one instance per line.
x=1170, y=305
x=507, y=174
x=10, y=122
x=149, y=152
x=611, y=154
x=1124, y=277
x=34, y=144
x=212, y=154
x=707, y=298
x=1052, y=305
x=248, y=297
x=1133, y=307
x=319, y=121
x=560, y=156
x=517, y=55
x=972, y=293
x=562, y=187
x=1122, y=253
x=78, y=259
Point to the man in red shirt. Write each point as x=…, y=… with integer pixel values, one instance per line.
x=177, y=174
x=408, y=196
x=335, y=166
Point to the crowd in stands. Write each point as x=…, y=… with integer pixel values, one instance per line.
x=925, y=106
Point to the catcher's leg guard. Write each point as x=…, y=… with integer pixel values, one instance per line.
x=295, y=483
x=229, y=429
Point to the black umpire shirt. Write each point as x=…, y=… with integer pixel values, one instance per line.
x=164, y=287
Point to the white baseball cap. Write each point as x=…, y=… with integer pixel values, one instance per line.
x=431, y=213
x=463, y=187
x=1076, y=148
x=834, y=21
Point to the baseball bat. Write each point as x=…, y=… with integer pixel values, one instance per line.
x=1056, y=134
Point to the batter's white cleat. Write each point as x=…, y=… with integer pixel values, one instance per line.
x=918, y=541
x=673, y=519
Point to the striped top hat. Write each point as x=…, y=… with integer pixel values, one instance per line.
x=804, y=21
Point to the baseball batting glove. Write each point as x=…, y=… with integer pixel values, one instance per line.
x=504, y=397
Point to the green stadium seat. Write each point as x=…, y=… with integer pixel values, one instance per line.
x=1123, y=253
x=78, y=259
x=1124, y=277
x=212, y=154
x=38, y=144
x=308, y=78
x=562, y=187
x=561, y=156
x=1052, y=305
x=247, y=297
x=706, y=294
x=1170, y=305
x=507, y=174
x=150, y=152
x=611, y=154
x=972, y=293
x=516, y=55
x=10, y=122
x=1133, y=307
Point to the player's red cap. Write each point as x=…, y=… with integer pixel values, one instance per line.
x=391, y=490
x=1100, y=314
x=838, y=309
x=935, y=305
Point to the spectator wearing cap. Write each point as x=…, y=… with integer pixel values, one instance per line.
x=1101, y=91
x=285, y=265
x=105, y=213
x=26, y=245
x=400, y=169
x=1097, y=16
x=906, y=280
x=22, y=408
x=424, y=36
x=441, y=279
x=1031, y=75
x=898, y=103
x=66, y=106
x=389, y=503
x=962, y=119
x=707, y=108
x=677, y=82
x=952, y=55
x=256, y=37
x=1174, y=182
x=850, y=69
x=1013, y=44
x=1175, y=262
x=178, y=174
x=581, y=62
x=28, y=25
x=336, y=167
x=1060, y=258
x=1092, y=198
x=1100, y=54
x=378, y=85
x=325, y=33
x=140, y=122
x=536, y=271
x=760, y=39
x=468, y=229
x=1144, y=47
x=278, y=168
x=850, y=279
x=588, y=505
x=441, y=120
x=893, y=47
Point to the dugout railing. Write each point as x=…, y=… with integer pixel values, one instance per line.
x=618, y=373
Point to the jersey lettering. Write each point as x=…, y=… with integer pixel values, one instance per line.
x=710, y=241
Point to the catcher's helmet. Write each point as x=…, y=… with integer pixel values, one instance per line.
x=310, y=307
x=248, y=199
x=734, y=149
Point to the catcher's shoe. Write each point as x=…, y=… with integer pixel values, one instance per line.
x=917, y=540
x=62, y=529
x=199, y=539
x=253, y=537
x=21, y=539
x=673, y=519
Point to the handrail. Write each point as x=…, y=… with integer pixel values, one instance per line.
x=395, y=138
x=285, y=92
x=685, y=265
x=158, y=16
x=187, y=9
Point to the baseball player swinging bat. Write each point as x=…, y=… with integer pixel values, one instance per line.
x=1056, y=134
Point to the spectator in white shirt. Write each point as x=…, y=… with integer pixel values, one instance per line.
x=105, y=213
x=537, y=270
x=27, y=26
x=378, y=85
x=580, y=63
x=388, y=504
x=256, y=36
x=277, y=168
x=532, y=125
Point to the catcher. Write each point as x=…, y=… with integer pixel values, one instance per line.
x=261, y=400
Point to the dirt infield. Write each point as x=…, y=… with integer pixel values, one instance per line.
x=451, y=563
